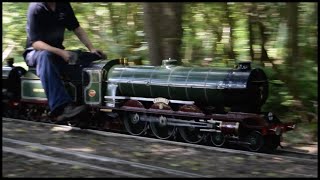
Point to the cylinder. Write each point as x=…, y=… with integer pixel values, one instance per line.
x=231, y=128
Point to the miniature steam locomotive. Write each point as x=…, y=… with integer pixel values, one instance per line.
x=197, y=104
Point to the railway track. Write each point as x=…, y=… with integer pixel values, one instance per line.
x=65, y=161
x=113, y=155
x=87, y=160
x=281, y=153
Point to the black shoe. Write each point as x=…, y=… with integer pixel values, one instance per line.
x=70, y=111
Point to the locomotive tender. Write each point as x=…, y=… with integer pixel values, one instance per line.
x=198, y=104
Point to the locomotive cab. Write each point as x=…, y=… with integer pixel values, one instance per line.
x=32, y=90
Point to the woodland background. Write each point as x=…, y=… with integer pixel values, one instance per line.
x=281, y=38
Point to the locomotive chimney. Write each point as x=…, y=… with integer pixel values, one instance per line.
x=169, y=62
x=125, y=61
x=244, y=66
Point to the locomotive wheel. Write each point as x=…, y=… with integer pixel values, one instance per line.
x=133, y=124
x=160, y=129
x=217, y=139
x=191, y=134
x=256, y=141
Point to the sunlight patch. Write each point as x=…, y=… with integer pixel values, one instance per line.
x=59, y=128
x=82, y=149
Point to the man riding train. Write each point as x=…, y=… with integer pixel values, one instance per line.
x=46, y=23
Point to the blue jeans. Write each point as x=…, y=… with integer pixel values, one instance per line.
x=49, y=66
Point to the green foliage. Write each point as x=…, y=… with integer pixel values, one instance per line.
x=307, y=79
x=13, y=30
x=304, y=133
x=277, y=94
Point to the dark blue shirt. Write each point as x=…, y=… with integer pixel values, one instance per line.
x=48, y=26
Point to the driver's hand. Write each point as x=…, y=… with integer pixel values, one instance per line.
x=66, y=55
x=99, y=53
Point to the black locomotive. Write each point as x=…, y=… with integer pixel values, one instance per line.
x=198, y=104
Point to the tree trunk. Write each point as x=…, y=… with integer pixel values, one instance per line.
x=292, y=43
x=230, y=44
x=151, y=20
x=113, y=22
x=163, y=27
x=172, y=30
x=189, y=42
x=250, y=30
x=316, y=22
x=251, y=40
x=264, y=54
x=292, y=48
